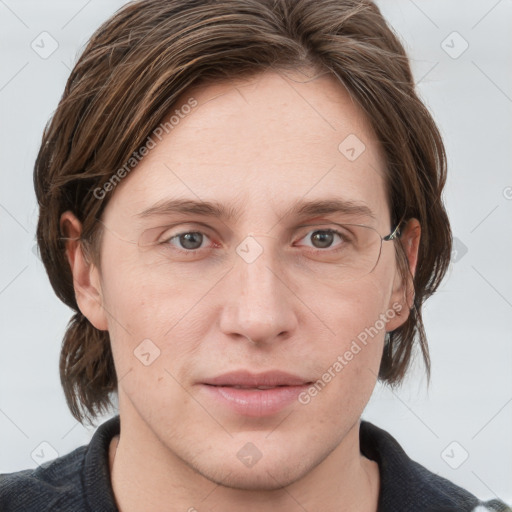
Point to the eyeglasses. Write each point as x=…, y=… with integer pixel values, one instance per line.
x=353, y=250
x=359, y=251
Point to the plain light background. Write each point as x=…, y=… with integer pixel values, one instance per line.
x=460, y=427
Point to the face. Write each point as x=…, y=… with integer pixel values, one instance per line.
x=204, y=308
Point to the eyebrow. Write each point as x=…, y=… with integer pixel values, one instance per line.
x=299, y=208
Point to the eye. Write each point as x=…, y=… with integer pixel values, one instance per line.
x=323, y=238
x=188, y=241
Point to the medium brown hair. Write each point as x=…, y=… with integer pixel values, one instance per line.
x=149, y=53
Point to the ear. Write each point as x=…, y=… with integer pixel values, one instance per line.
x=86, y=276
x=402, y=297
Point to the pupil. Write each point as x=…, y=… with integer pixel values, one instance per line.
x=323, y=237
x=191, y=240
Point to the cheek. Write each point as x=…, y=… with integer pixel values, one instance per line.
x=153, y=311
x=148, y=286
x=348, y=359
x=153, y=336
x=351, y=307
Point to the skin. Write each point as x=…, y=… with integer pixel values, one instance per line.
x=258, y=144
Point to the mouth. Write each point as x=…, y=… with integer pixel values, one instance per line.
x=255, y=395
x=247, y=379
x=255, y=388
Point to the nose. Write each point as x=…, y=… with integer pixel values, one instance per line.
x=260, y=305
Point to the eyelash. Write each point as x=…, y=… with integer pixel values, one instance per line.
x=193, y=252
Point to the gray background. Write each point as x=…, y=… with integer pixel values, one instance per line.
x=467, y=410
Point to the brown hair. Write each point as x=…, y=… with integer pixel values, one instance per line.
x=130, y=75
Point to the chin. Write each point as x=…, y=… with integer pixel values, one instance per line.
x=273, y=469
x=270, y=477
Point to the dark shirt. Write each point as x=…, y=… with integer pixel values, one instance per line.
x=80, y=480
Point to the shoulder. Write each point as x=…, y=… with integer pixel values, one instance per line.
x=76, y=482
x=404, y=482
x=56, y=483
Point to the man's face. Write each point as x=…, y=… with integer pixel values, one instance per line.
x=261, y=293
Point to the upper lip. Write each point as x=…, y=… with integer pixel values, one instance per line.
x=244, y=378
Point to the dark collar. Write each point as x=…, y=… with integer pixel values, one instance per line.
x=98, y=488
x=405, y=484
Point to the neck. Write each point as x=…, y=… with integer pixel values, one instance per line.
x=145, y=475
x=142, y=483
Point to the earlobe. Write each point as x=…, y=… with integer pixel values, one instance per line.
x=86, y=281
x=403, y=289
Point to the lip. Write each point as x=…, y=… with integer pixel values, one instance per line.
x=245, y=378
x=238, y=391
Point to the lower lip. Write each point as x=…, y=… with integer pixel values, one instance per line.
x=255, y=403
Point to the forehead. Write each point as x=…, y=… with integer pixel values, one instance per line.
x=261, y=144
